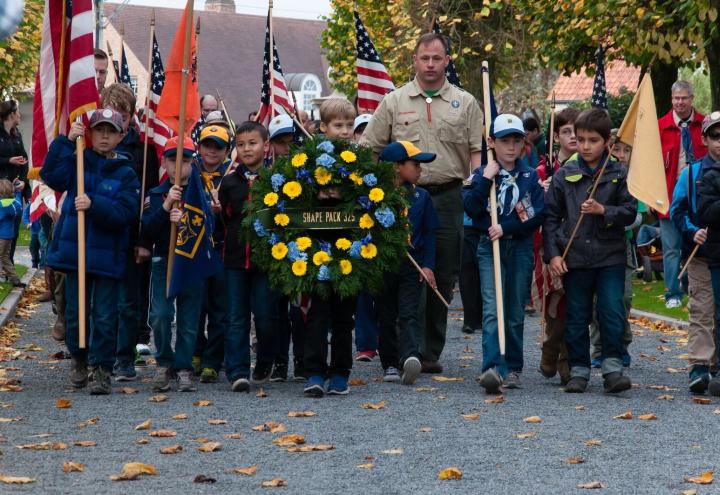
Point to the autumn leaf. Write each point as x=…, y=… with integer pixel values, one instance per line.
x=173, y=449
x=441, y=397
x=523, y=436
x=592, y=485
x=202, y=403
x=132, y=470
x=704, y=479
x=356, y=382
x=180, y=416
x=43, y=446
x=145, y=425
x=533, y=419
x=689, y=492
x=451, y=473
x=128, y=390
x=498, y=399
x=85, y=443
x=301, y=414
x=16, y=480
x=425, y=389
x=666, y=397
x=261, y=394
x=370, y=405
x=312, y=448
x=625, y=415
x=10, y=420
x=648, y=417
x=447, y=379
x=425, y=429
x=70, y=467
x=210, y=447
x=202, y=440
x=163, y=433
x=270, y=426
x=593, y=443
x=217, y=422
x=369, y=465
x=273, y=483
x=575, y=460
x=142, y=441
x=393, y=451
x=88, y=422
x=289, y=440
x=701, y=400
x=158, y=398
x=233, y=436
x=63, y=404
x=248, y=471
x=471, y=416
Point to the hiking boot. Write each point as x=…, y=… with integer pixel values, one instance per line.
x=411, y=370
x=431, y=367
x=576, y=385
x=338, y=385
x=208, y=375
x=298, y=370
x=262, y=372
x=391, y=375
x=241, y=385
x=699, y=379
x=78, y=373
x=58, y=330
x=125, y=372
x=616, y=382
x=197, y=365
x=186, y=381
x=491, y=380
x=315, y=386
x=161, y=380
x=512, y=380
x=99, y=381
x=714, y=387
x=280, y=372
x=468, y=330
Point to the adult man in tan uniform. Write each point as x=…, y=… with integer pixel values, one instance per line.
x=438, y=117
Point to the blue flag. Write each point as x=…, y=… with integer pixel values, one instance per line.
x=450, y=72
x=124, y=75
x=599, y=94
x=195, y=255
x=493, y=114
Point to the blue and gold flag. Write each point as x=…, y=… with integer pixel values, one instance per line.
x=195, y=255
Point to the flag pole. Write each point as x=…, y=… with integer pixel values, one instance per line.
x=122, y=50
x=147, y=116
x=80, y=173
x=551, y=138
x=112, y=63
x=690, y=258
x=181, y=133
x=422, y=274
x=229, y=121
x=493, y=215
x=272, y=61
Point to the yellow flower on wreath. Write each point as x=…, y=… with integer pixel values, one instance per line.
x=299, y=160
x=348, y=156
x=366, y=222
x=343, y=244
x=270, y=199
x=281, y=219
x=299, y=268
x=368, y=252
x=279, y=250
x=320, y=258
x=376, y=195
x=355, y=178
x=303, y=243
x=345, y=267
x=322, y=175
x=292, y=189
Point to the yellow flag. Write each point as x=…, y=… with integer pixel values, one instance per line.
x=646, y=177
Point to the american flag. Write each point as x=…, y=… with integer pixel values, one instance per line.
x=158, y=132
x=599, y=94
x=451, y=72
x=278, y=92
x=373, y=79
x=124, y=74
x=65, y=86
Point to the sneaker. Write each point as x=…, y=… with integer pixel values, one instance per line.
x=673, y=303
x=411, y=370
x=262, y=372
x=365, y=356
x=209, y=375
x=714, y=387
x=512, y=380
x=468, y=330
x=280, y=372
x=185, y=381
x=161, y=380
x=338, y=385
x=298, y=370
x=78, y=373
x=491, y=380
x=616, y=382
x=143, y=349
x=125, y=373
x=576, y=385
x=699, y=379
x=626, y=359
x=99, y=381
x=315, y=386
x=431, y=367
x=197, y=365
x=241, y=385
x=391, y=375
x=596, y=363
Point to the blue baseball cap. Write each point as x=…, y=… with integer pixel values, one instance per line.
x=399, y=151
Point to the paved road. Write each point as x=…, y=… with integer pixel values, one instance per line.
x=634, y=457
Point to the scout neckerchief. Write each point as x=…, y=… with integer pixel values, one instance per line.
x=508, y=183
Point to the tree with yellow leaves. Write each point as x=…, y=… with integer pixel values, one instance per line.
x=19, y=54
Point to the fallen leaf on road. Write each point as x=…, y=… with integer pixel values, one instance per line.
x=180, y=416
x=10, y=420
x=451, y=473
x=704, y=479
x=142, y=441
x=312, y=448
x=63, y=404
x=43, y=446
x=648, y=417
x=173, y=449
x=666, y=397
x=356, y=382
x=270, y=426
x=716, y=411
x=448, y=379
x=575, y=460
x=673, y=370
x=689, y=492
x=664, y=388
x=593, y=443
x=217, y=422
x=701, y=400
x=425, y=429
x=202, y=440
x=625, y=415
x=16, y=480
x=682, y=356
x=88, y=422
x=273, y=483
x=145, y=425
x=163, y=433
x=289, y=440
x=369, y=465
x=233, y=436
x=248, y=471
x=580, y=408
x=467, y=349
x=533, y=419
x=132, y=470
x=128, y=390
x=70, y=467
x=523, y=436
x=261, y=394
x=370, y=405
x=210, y=447
x=393, y=452
x=201, y=478
x=471, y=416
x=592, y=485
x=158, y=398
x=85, y=443
x=202, y=403
x=301, y=414
x=425, y=389
x=441, y=397
x=498, y=399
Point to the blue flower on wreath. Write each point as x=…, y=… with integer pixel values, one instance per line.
x=325, y=160
x=355, y=249
x=304, y=174
x=324, y=273
x=385, y=216
x=259, y=228
x=277, y=180
x=365, y=202
x=366, y=240
x=325, y=246
x=280, y=205
x=326, y=146
x=274, y=239
x=294, y=254
x=344, y=172
x=370, y=180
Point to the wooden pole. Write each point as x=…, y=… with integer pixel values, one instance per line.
x=181, y=133
x=272, y=61
x=551, y=163
x=422, y=273
x=82, y=310
x=229, y=121
x=690, y=258
x=147, y=117
x=494, y=216
x=122, y=49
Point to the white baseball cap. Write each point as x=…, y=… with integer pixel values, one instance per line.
x=506, y=124
x=281, y=124
x=361, y=119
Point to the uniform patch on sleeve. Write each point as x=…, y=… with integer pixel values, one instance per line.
x=573, y=178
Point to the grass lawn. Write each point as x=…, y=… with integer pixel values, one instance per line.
x=24, y=237
x=6, y=287
x=650, y=297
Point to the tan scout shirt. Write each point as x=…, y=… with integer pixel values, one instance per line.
x=451, y=126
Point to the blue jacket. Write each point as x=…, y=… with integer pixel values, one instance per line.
x=156, y=221
x=425, y=222
x=683, y=209
x=113, y=189
x=477, y=199
x=9, y=210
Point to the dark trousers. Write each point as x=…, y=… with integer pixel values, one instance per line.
x=291, y=326
x=35, y=250
x=470, y=281
x=133, y=306
x=336, y=314
x=215, y=313
x=16, y=234
x=398, y=315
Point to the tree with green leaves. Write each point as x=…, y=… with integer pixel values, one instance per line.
x=19, y=54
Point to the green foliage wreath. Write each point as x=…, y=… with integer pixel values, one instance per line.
x=368, y=232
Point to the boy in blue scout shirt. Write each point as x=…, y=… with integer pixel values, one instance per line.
x=521, y=211
x=399, y=328
x=595, y=264
x=110, y=203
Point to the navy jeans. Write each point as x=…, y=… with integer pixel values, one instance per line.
x=291, y=325
x=516, y=261
x=366, y=327
x=249, y=294
x=470, y=280
x=215, y=312
x=101, y=319
x=671, y=247
x=581, y=286
x=133, y=304
x=162, y=310
x=715, y=277
x=335, y=313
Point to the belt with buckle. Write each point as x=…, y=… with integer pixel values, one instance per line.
x=438, y=188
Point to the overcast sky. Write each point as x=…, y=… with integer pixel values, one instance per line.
x=305, y=9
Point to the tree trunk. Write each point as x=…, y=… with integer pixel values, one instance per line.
x=712, y=52
x=663, y=76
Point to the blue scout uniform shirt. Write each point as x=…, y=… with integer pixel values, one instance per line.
x=424, y=221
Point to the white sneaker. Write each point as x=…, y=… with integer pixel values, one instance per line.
x=392, y=375
x=411, y=370
x=143, y=349
x=673, y=303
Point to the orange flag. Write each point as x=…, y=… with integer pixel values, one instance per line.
x=169, y=106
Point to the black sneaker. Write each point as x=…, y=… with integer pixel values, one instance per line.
x=616, y=382
x=99, y=381
x=262, y=372
x=714, y=387
x=576, y=385
x=280, y=372
x=299, y=371
x=468, y=330
x=78, y=373
x=699, y=379
x=242, y=384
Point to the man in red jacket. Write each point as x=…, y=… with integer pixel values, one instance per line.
x=681, y=138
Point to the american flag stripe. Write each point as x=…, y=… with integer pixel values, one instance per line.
x=373, y=79
x=280, y=101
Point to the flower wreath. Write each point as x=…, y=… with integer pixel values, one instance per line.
x=371, y=236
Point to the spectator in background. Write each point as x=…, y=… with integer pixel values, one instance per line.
x=208, y=103
x=534, y=135
x=101, y=68
x=13, y=157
